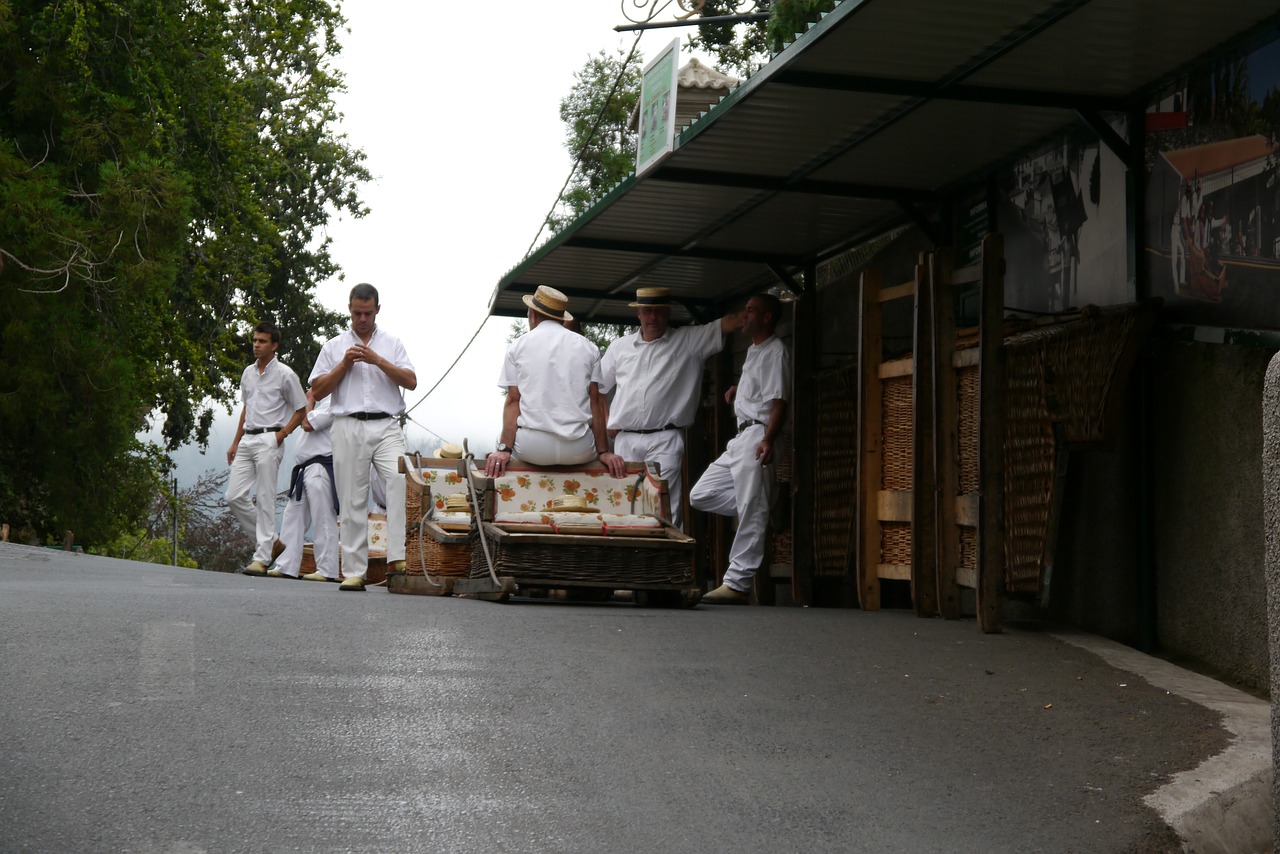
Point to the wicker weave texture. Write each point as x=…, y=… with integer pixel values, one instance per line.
x=897, y=434
x=835, y=470
x=578, y=561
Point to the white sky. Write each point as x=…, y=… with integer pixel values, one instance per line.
x=458, y=113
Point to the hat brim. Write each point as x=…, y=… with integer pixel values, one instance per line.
x=649, y=304
x=533, y=306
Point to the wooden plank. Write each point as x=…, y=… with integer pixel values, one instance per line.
x=924, y=511
x=966, y=358
x=804, y=423
x=894, y=505
x=894, y=571
x=966, y=275
x=991, y=408
x=897, y=368
x=897, y=292
x=966, y=512
x=870, y=451
x=946, y=431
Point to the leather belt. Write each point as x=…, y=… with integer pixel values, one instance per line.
x=651, y=430
x=370, y=416
x=745, y=424
x=255, y=431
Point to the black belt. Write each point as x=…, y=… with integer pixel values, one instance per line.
x=254, y=431
x=295, y=479
x=652, y=430
x=370, y=416
x=745, y=424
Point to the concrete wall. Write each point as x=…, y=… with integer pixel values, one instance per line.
x=1205, y=434
x=1208, y=507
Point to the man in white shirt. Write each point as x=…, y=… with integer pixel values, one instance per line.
x=313, y=500
x=273, y=405
x=554, y=414
x=364, y=370
x=742, y=482
x=658, y=374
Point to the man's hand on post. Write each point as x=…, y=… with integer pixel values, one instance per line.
x=616, y=465
x=764, y=452
x=731, y=394
x=495, y=465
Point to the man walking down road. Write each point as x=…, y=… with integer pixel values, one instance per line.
x=658, y=374
x=742, y=481
x=364, y=369
x=273, y=405
x=554, y=414
x=313, y=500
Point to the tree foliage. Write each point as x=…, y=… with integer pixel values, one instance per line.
x=165, y=169
x=596, y=115
x=737, y=48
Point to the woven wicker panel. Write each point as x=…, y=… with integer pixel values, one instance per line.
x=1030, y=454
x=578, y=561
x=441, y=553
x=1084, y=357
x=969, y=549
x=784, y=453
x=782, y=547
x=835, y=469
x=967, y=382
x=896, y=434
x=895, y=542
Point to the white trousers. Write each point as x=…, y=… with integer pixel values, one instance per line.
x=548, y=449
x=314, y=510
x=666, y=448
x=737, y=485
x=256, y=464
x=357, y=445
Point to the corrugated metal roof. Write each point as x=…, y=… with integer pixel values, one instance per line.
x=864, y=122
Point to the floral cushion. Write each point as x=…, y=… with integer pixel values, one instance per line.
x=377, y=535
x=452, y=521
x=602, y=524
x=528, y=489
x=442, y=478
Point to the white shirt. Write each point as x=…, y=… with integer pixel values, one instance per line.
x=271, y=397
x=317, y=442
x=553, y=368
x=364, y=388
x=658, y=381
x=766, y=377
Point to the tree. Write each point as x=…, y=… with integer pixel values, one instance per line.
x=737, y=48
x=596, y=115
x=165, y=168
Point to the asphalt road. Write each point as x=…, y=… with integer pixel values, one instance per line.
x=148, y=709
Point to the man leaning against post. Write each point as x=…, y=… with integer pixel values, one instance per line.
x=657, y=371
x=742, y=481
x=273, y=405
x=554, y=414
x=364, y=370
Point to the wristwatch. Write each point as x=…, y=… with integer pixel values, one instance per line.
x=503, y=447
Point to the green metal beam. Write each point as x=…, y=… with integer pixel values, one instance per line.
x=690, y=251
x=951, y=92
x=771, y=184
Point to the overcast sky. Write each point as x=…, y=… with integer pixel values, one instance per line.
x=457, y=108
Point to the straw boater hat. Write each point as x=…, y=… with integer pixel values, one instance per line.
x=449, y=451
x=652, y=298
x=457, y=503
x=571, y=504
x=548, y=302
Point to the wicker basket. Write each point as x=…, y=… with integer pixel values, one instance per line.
x=442, y=553
x=567, y=558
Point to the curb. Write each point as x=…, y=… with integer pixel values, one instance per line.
x=1223, y=806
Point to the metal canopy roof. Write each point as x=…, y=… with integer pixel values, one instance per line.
x=862, y=123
